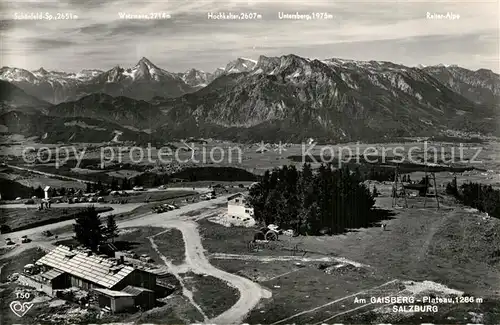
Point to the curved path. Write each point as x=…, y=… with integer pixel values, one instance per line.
x=250, y=292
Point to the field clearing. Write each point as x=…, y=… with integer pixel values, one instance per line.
x=213, y=295
x=177, y=310
x=171, y=244
x=255, y=270
x=33, y=180
x=24, y=217
x=124, y=173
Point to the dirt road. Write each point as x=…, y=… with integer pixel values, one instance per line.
x=250, y=292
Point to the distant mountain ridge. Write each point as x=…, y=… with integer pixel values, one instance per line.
x=14, y=98
x=480, y=86
x=290, y=98
x=54, y=129
x=143, y=81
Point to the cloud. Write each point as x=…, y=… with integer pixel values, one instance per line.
x=388, y=30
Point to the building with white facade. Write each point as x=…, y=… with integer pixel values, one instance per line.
x=239, y=212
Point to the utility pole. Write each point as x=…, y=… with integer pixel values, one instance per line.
x=426, y=186
x=435, y=189
x=395, y=189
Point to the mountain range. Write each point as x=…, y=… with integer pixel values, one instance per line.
x=142, y=81
x=287, y=98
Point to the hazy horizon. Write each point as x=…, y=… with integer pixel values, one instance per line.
x=397, y=31
x=132, y=64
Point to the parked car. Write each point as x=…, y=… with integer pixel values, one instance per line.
x=158, y=209
x=167, y=207
x=138, y=188
x=146, y=258
x=9, y=241
x=47, y=233
x=132, y=254
x=25, y=240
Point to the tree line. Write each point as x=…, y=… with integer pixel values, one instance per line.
x=479, y=196
x=326, y=201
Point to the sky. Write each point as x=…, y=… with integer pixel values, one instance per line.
x=388, y=30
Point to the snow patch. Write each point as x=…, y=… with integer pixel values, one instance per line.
x=425, y=286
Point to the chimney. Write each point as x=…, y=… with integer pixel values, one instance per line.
x=122, y=259
x=89, y=253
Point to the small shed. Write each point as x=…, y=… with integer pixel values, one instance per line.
x=142, y=297
x=57, y=279
x=116, y=301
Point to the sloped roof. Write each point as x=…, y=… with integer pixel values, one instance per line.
x=51, y=274
x=113, y=293
x=135, y=291
x=99, y=270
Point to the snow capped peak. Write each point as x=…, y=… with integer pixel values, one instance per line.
x=194, y=71
x=146, y=70
x=41, y=71
x=421, y=66
x=247, y=59
x=17, y=75
x=145, y=62
x=196, y=78
x=114, y=75
x=218, y=72
x=240, y=65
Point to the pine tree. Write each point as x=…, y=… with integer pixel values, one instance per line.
x=111, y=228
x=98, y=186
x=39, y=193
x=125, y=184
x=114, y=184
x=88, y=229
